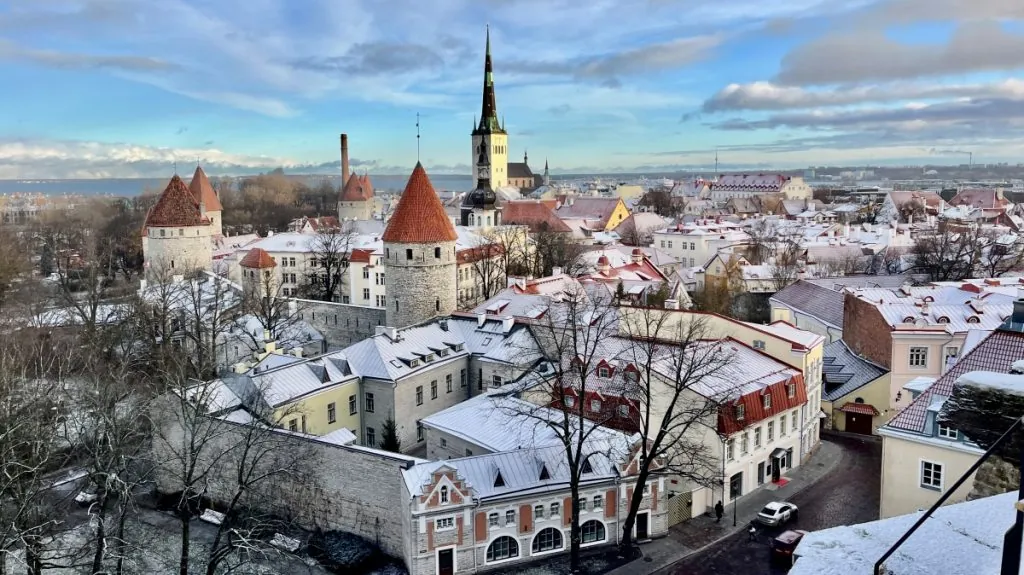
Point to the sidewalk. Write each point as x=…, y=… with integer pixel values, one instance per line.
x=700, y=532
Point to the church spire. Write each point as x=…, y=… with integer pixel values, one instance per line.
x=488, y=107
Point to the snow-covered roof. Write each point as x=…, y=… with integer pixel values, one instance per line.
x=498, y=422
x=993, y=381
x=965, y=538
x=520, y=469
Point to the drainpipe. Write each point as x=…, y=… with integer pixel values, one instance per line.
x=618, y=522
x=472, y=518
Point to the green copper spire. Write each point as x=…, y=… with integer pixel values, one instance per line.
x=489, y=108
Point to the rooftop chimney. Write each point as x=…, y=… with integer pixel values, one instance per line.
x=344, y=160
x=1017, y=318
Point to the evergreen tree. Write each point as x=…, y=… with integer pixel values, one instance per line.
x=389, y=437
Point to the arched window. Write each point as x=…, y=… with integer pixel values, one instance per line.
x=503, y=547
x=548, y=539
x=593, y=531
x=470, y=219
x=444, y=494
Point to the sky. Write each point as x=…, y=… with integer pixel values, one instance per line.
x=127, y=88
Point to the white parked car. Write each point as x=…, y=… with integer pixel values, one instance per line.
x=777, y=513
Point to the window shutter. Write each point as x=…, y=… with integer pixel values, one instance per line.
x=567, y=511
x=480, y=529
x=430, y=535
x=654, y=496
x=525, y=518
x=458, y=525
x=610, y=500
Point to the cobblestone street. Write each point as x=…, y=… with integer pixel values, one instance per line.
x=848, y=494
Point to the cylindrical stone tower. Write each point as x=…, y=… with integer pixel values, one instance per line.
x=419, y=251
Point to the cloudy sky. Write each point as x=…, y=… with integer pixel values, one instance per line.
x=110, y=88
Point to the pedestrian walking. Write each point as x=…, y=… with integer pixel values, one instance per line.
x=719, y=511
x=752, y=533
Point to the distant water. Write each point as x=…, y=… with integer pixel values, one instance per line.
x=135, y=186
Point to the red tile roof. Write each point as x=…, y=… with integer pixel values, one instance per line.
x=257, y=258
x=997, y=352
x=420, y=217
x=357, y=188
x=862, y=408
x=537, y=215
x=202, y=190
x=753, y=405
x=176, y=207
x=360, y=256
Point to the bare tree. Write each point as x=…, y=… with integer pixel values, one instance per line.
x=948, y=252
x=329, y=253
x=674, y=353
x=572, y=344
x=1001, y=253
x=210, y=307
x=787, y=264
x=108, y=428
x=14, y=264
x=763, y=241
x=31, y=448
x=557, y=249
x=277, y=316
x=515, y=254
x=487, y=268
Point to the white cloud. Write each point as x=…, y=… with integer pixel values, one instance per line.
x=771, y=96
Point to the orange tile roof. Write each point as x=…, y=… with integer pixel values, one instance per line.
x=360, y=256
x=538, y=216
x=176, y=207
x=257, y=258
x=357, y=188
x=420, y=217
x=202, y=190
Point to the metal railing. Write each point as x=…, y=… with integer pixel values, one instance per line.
x=1012, y=539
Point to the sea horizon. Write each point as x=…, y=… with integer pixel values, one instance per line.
x=127, y=187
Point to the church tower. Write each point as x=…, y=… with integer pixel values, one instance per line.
x=480, y=208
x=547, y=176
x=419, y=249
x=490, y=140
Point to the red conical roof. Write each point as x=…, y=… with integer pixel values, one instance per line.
x=202, y=190
x=357, y=189
x=176, y=207
x=257, y=258
x=419, y=218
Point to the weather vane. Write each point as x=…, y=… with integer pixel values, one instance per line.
x=417, y=137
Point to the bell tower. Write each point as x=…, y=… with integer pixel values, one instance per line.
x=490, y=140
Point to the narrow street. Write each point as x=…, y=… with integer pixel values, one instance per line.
x=849, y=494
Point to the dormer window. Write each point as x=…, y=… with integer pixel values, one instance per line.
x=444, y=494
x=544, y=475
x=442, y=353
x=414, y=363
x=428, y=358
x=790, y=390
x=767, y=401
x=741, y=412
x=604, y=372
x=586, y=467
x=499, y=481
x=632, y=376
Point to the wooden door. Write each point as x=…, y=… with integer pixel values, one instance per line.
x=858, y=423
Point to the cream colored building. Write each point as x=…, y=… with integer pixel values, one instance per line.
x=695, y=243
x=921, y=458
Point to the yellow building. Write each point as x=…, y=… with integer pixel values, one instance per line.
x=315, y=395
x=856, y=391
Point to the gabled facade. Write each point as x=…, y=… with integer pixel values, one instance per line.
x=497, y=511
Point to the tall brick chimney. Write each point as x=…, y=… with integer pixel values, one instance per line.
x=344, y=160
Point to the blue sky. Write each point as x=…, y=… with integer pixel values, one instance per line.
x=119, y=88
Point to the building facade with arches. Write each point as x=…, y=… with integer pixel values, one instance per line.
x=494, y=511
